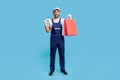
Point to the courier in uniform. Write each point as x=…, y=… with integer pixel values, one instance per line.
x=55, y=26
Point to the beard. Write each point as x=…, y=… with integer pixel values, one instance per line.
x=56, y=15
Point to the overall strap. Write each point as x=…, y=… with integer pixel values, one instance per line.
x=52, y=20
x=60, y=20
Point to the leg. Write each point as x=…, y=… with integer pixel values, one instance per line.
x=61, y=49
x=53, y=46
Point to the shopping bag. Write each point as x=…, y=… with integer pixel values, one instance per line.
x=70, y=27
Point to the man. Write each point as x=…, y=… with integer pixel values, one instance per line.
x=55, y=25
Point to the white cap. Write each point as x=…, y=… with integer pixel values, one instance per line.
x=56, y=8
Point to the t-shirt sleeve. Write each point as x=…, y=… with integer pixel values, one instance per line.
x=62, y=21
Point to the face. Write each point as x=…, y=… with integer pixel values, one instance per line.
x=56, y=13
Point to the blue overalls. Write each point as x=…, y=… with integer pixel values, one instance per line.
x=57, y=41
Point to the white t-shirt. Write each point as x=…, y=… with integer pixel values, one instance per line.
x=56, y=21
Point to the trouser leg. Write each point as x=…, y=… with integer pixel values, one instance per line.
x=53, y=47
x=61, y=49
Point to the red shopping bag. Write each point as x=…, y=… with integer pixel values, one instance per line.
x=70, y=27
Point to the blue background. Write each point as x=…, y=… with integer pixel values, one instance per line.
x=92, y=55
